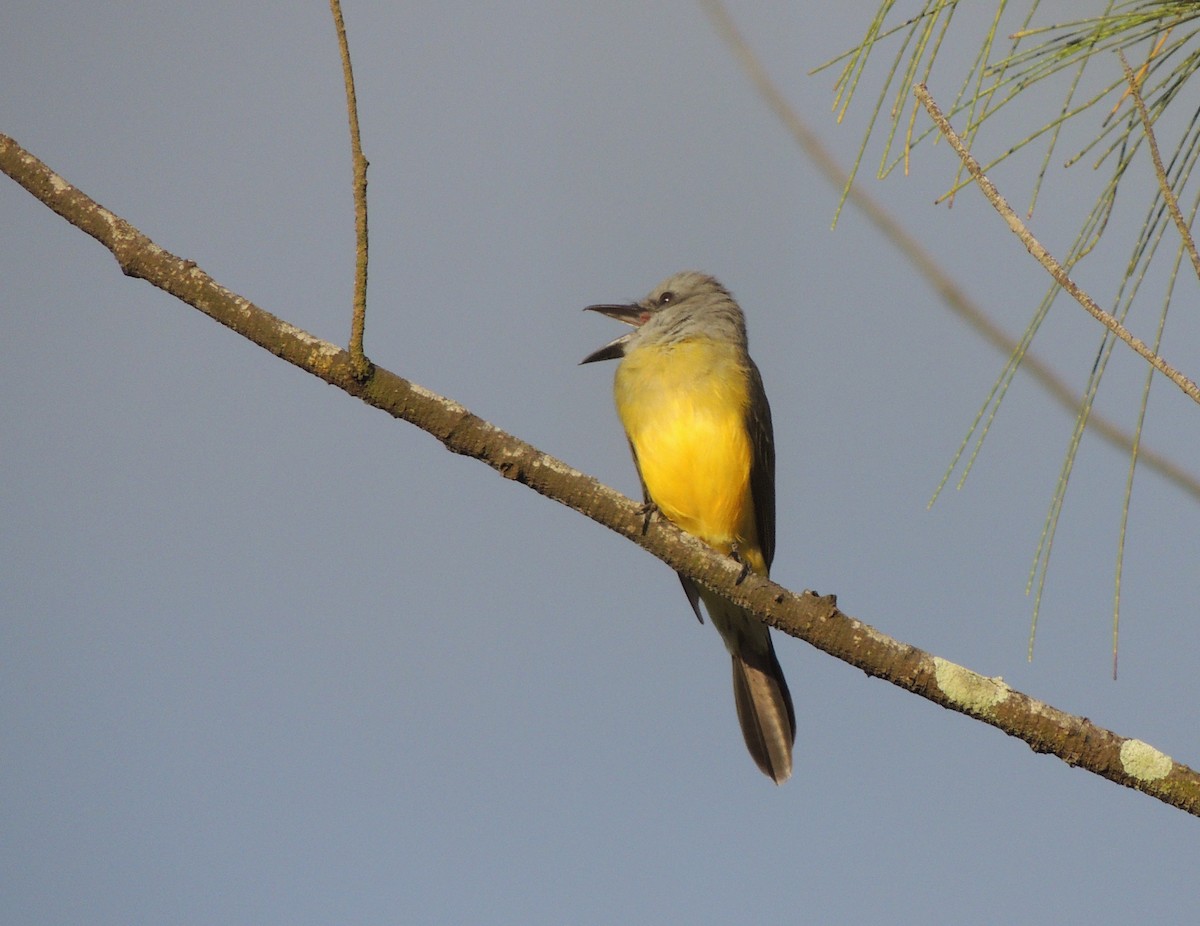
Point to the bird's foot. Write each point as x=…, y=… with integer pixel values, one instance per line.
x=647, y=510
x=736, y=556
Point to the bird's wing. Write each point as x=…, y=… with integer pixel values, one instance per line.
x=762, y=464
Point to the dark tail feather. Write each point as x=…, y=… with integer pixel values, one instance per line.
x=764, y=709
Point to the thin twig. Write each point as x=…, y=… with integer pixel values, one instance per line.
x=1160, y=172
x=1053, y=267
x=362, y=366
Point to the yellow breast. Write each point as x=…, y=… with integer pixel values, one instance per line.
x=684, y=410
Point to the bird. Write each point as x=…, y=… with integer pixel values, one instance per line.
x=694, y=409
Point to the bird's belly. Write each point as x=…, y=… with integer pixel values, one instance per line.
x=688, y=430
x=696, y=468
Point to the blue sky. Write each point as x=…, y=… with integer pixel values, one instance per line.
x=270, y=656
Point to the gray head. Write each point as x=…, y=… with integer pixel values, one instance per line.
x=683, y=306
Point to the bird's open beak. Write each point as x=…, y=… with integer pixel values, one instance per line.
x=614, y=350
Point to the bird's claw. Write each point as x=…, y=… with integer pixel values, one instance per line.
x=736, y=556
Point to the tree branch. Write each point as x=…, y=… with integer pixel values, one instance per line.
x=807, y=616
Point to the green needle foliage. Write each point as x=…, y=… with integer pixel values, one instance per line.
x=1111, y=110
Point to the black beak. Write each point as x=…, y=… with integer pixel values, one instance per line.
x=629, y=314
x=615, y=350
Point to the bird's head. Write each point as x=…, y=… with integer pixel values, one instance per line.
x=687, y=305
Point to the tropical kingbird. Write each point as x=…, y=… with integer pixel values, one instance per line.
x=693, y=407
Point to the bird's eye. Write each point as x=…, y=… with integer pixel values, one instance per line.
x=666, y=298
